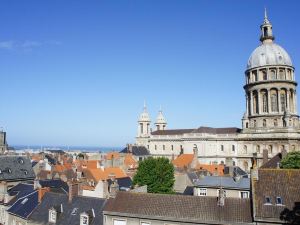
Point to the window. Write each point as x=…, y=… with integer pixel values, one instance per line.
x=257, y=148
x=265, y=102
x=273, y=75
x=264, y=75
x=264, y=123
x=119, y=222
x=218, y=192
x=202, y=191
x=172, y=147
x=245, y=149
x=254, y=123
x=274, y=102
x=164, y=147
x=84, y=220
x=141, y=125
x=244, y=194
x=275, y=122
x=270, y=149
x=268, y=200
x=281, y=75
x=278, y=200
x=155, y=147
x=233, y=148
x=255, y=102
x=145, y=223
x=222, y=148
x=24, y=201
x=282, y=101
x=52, y=216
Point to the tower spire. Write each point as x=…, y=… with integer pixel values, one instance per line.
x=266, y=30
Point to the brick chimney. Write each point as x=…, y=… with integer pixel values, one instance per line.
x=42, y=192
x=73, y=190
x=195, y=162
x=221, y=197
x=265, y=156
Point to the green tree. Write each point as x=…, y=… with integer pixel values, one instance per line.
x=291, y=161
x=157, y=174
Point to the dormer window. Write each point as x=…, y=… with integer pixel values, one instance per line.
x=52, y=215
x=279, y=201
x=84, y=219
x=268, y=200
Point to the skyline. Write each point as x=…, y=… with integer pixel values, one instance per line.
x=68, y=80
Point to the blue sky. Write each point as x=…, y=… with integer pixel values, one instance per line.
x=77, y=72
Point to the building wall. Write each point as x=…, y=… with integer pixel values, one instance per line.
x=213, y=192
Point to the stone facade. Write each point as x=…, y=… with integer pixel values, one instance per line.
x=3, y=145
x=270, y=121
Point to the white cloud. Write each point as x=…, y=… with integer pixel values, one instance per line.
x=7, y=44
x=25, y=45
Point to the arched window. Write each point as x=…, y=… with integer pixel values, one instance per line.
x=233, y=147
x=246, y=166
x=283, y=101
x=264, y=75
x=247, y=125
x=270, y=149
x=255, y=102
x=222, y=148
x=257, y=148
x=273, y=75
x=264, y=123
x=264, y=101
x=291, y=101
x=245, y=149
x=255, y=78
x=274, y=102
x=281, y=75
x=275, y=122
x=142, y=128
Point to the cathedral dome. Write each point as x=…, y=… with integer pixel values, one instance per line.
x=160, y=118
x=269, y=54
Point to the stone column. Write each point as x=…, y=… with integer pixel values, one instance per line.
x=258, y=102
x=279, y=101
x=247, y=104
x=288, y=101
x=251, y=103
x=269, y=100
x=295, y=102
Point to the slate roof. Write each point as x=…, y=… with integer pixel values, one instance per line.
x=172, y=132
x=225, y=182
x=137, y=150
x=15, y=168
x=209, y=130
x=124, y=183
x=19, y=191
x=24, y=206
x=71, y=211
x=55, y=185
x=181, y=208
x=273, y=162
x=284, y=183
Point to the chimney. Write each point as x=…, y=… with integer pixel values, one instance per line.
x=195, y=158
x=42, y=192
x=221, y=197
x=114, y=188
x=265, y=156
x=36, y=184
x=254, y=161
x=73, y=190
x=3, y=190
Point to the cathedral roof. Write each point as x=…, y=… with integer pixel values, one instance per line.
x=268, y=54
x=208, y=130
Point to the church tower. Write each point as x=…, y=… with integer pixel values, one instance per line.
x=160, y=121
x=143, y=127
x=271, y=99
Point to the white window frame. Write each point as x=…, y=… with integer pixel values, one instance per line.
x=202, y=191
x=52, y=219
x=248, y=194
x=84, y=217
x=117, y=219
x=145, y=222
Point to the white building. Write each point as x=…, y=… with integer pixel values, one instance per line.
x=270, y=121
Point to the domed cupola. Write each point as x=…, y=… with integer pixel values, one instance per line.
x=268, y=53
x=160, y=121
x=144, y=123
x=270, y=86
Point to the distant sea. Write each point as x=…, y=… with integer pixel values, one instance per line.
x=66, y=148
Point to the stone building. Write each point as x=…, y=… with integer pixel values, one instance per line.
x=3, y=145
x=270, y=122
